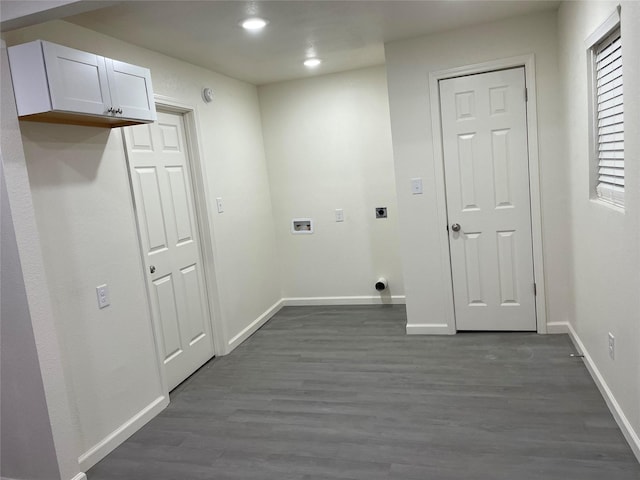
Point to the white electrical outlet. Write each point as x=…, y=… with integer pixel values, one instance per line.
x=103, y=296
x=612, y=346
x=339, y=215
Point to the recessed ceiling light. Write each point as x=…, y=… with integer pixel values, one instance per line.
x=254, y=24
x=312, y=62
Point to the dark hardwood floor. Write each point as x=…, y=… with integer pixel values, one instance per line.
x=343, y=393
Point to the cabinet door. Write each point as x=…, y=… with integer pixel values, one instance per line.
x=77, y=80
x=131, y=90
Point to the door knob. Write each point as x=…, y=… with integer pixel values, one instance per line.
x=455, y=227
x=152, y=269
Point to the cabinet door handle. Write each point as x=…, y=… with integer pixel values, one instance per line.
x=110, y=110
x=119, y=110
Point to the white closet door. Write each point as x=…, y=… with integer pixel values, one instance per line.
x=160, y=174
x=484, y=128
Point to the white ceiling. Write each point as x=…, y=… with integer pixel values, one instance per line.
x=345, y=34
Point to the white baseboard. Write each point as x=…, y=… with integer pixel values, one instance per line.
x=80, y=476
x=557, y=327
x=115, y=438
x=429, y=329
x=330, y=301
x=255, y=325
x=618, y=414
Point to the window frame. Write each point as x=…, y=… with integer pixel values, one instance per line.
x=614, y=197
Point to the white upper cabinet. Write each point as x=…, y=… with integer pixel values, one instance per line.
x=131, y=90
x=77, y=80
x=53, y=83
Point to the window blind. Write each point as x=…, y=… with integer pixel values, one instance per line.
x=610, y=119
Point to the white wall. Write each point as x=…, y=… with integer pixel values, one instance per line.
x=81, y=195
x=35, y=402
x=23, y=414
x=408, y=66
x=78, y=179
x=605, y=243
x=328, y=146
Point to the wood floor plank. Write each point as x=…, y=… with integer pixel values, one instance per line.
x=343, y=393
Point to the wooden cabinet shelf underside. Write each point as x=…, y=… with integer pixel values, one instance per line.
x=69, y=118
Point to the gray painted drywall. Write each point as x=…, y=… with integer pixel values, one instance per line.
x=23, y=409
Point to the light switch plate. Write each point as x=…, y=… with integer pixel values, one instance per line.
x=219, y=204
x=612, y=346
x=339, y=215
x=103, y=296
x=416, y=186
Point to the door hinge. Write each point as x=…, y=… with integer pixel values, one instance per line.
x=526, y=94
x=447, y=228
x=535, y=289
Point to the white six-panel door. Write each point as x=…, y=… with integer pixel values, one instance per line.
x=159, y=167
x=487, y=189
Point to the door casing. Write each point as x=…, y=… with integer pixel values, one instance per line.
x=528, y=62
x=202, y=207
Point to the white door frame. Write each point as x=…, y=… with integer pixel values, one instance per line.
x=206, y=245
x=528, y=62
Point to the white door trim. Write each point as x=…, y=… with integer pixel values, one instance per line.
x=528, y=62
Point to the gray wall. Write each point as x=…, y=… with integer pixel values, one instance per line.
x=27, y=450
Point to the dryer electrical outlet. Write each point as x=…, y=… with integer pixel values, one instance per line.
x=381, y=212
